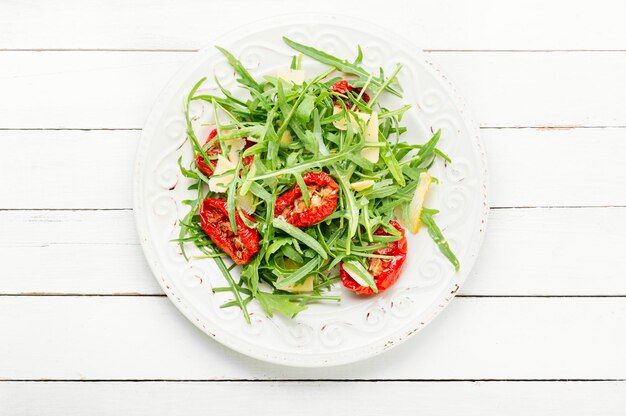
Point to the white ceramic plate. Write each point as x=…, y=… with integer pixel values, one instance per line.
x=329, y=333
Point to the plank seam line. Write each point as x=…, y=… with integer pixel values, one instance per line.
x=193, y=50
x=482, y=127
x=551, y=127
x=82, y=295
x=64, y=209
x=556, y=207
x=496, y=208
x=70, y=129
x=295, y=380
x=162, y=295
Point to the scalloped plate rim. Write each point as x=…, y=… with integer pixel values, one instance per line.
x=296, y=360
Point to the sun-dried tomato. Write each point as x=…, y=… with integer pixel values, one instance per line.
x=215, y=223
x=343, y=87
x=215, y=150
x=323, y=193
x=385, y=272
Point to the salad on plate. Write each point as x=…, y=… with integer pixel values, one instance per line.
x=307, y=183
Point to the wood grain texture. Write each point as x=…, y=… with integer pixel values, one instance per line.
x=551, y=252
x=82, y=89
x=556, y=167
x=278, y=399
x=527, y=251
x=448, y=24
x=528, y=167
x=118, y=89
x=67, y=169
x=543, y=252
x=83, y=338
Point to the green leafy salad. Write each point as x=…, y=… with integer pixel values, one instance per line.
x=307, y=183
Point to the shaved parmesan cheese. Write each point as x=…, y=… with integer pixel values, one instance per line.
x=342, y=123
x=371, y=131
x=286, y=138
x=417, y=203
x=371, y=153
x=220, y=183
x=291, y=75
x=371, y=136
x=235, y=145
x=361, y=185
x=306, y=286
x=397, y=212
x=246, y=202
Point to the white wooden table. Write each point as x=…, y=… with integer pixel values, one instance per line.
x=539, y=328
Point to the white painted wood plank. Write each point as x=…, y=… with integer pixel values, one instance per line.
x=235, y=398
x=67, y=169
x=82, y=89
x=526, y=252
x=474, y=338
x=540, y=89
x=79, y=252
x=72, y=252
x=552, y=252
x=528, y=167
x=448, y=24
x=542, y=167
x=40, y=228
x=76, y=268
x=117, y=89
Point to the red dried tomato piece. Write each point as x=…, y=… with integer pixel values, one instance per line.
x=215, y=223
x=343, y=87
x=385, y=272
x=323, y=192
x=215, y=150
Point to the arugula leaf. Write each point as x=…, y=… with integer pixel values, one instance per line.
x=271, y=303
x=300, y=235
x=339, y=64
x=303, y=188
x=353, y=210
x=437, y=236
x=299, y=274
x=305, y=109
x=356, y=269
x=292, y=254
x=246, y=78
x=276, y=245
